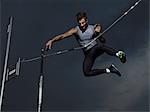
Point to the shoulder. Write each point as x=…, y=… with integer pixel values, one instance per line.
x=94, y=25
x=91, y=25
x=77, y=28
x=73, y=30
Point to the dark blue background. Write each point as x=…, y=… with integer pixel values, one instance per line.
x=65, y=86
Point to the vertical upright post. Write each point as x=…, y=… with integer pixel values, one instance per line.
x=41, y=82
x=6, y=62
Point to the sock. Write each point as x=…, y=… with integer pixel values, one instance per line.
x=107, y=70
x=117, y=54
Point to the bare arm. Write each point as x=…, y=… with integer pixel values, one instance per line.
x=60, y=37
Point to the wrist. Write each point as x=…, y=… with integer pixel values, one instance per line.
x=52, y=40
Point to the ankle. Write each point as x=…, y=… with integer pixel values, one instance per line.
x=107, y=70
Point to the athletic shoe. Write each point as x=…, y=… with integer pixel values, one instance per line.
x=122, y=56
x=113, y=69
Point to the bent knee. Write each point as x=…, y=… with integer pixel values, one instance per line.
x=87, y=73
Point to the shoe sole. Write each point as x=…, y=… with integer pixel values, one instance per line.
x=116, y=69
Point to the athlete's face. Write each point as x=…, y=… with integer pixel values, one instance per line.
x=83, y=23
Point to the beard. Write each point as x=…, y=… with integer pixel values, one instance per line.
x=83, y=28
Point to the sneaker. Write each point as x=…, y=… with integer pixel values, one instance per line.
x=122, y=56
x=113, y=69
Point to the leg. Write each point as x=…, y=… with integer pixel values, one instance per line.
x=120, y=54
x=90, y=57
x=108, y=50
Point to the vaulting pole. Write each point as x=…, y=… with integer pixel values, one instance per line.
x=116, y=21
x=79, y=48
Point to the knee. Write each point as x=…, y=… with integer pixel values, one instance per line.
x=87, y=73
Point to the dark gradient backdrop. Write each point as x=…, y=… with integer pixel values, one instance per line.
x=65, y=87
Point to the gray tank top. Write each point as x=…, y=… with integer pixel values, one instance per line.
x=85, y=37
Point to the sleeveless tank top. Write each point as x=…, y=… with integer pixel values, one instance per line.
x=85, y=37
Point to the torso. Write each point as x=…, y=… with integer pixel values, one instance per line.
x=86, y=36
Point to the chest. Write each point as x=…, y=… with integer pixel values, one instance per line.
x=87, y=34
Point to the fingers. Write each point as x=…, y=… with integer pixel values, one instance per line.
x=46, y=48
x=96, y=25
x=48, y=45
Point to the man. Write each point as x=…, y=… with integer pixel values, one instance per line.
x=84, y=34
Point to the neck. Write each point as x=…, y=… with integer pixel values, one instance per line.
x=83, y=30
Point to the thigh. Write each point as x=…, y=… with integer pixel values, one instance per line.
x=90, y=57
x=107, y=49
x=88, y=62
x=97, y=51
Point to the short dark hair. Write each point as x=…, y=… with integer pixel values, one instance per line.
x=81, y=15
